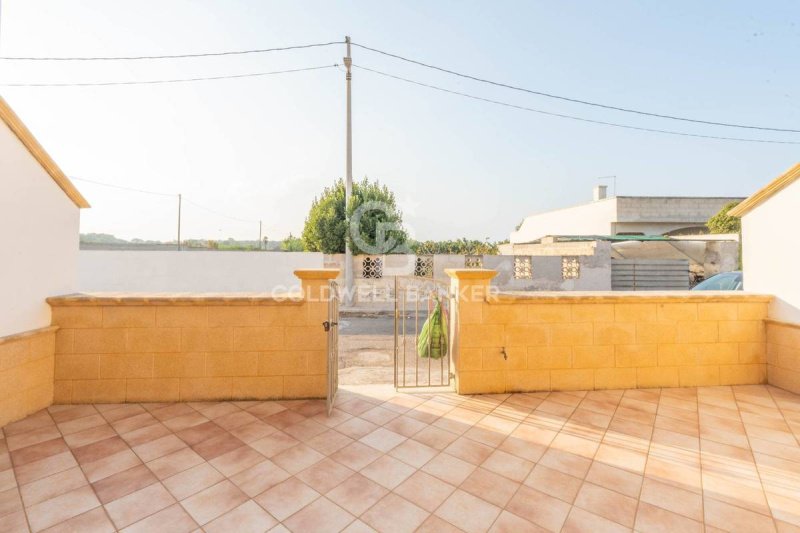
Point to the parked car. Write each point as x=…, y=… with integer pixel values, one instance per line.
x=726, y=281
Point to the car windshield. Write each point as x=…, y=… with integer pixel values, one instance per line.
x=730, y=281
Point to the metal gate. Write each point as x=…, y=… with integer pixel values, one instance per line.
x=422, y=358
x=332, y=327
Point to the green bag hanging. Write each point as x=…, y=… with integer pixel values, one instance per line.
x=432, y=340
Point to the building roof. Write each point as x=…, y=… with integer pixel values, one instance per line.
x=772, y=188
x=19, y=129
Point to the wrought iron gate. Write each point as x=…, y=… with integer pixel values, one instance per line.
x=422, y=353
x=332, y=327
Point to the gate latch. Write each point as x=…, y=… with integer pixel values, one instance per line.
x=327, y=325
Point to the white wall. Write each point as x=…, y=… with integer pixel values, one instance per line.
x=190, y=271
x=771, y=252
x=39, y=246
x=595, y=218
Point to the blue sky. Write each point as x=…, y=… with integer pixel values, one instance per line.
x=261, y=148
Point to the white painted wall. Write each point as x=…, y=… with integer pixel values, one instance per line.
x=595, y=218
x=39, y=248
x=188, y=271
x=771, y=252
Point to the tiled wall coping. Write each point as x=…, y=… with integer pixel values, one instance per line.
x=105, y=299
x=26, y=334
x=626, y=297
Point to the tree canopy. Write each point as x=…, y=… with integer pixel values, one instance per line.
x=375, y=222
x=722, y=222
x=461, y=246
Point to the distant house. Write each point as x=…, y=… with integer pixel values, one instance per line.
x=623, y=215
x=39, y=216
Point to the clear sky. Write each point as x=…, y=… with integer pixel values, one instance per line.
x=261, y=148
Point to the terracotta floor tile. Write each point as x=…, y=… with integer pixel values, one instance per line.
x=235, y=461
x=80, y=424
x=159, y=447
x=200, y=433
x=405, y=425
x=217, y=446
x=274, y=443
x=171, y=464
x=325, y=475
x=382, y=439
x=387, y=471
x=22, y=440
x=95, y=521
x=286, y=498
x=396, y=514
x=236, y=419
x=357, y=526
x=425, y=490
x=37, y=452
x=134, y=422
x=566, y=462
x=110, y=465
x=247, y=518
x=138, y=505
x=555, y=483
x=252, y=431
x=468, y=512
x=510, y=466
x=623, y=458
x=37, y=420
x=171, y=411
x=192, y=481
x=89, y=436
x=511, y=523
x=214, y=501
x=449, y=469
x=435, y=437
x=99, y=450
x=610, y=477
x=650, y=518
x=469, y=450
x=121, y=411
x=357, y=494
x=684, y=502
x=355, y=427
x=356, y=455
x=607, y=503
x=580, y=520
x=52, y=486
x=7, y=479
x=180, y=423
x=320, y=515
x=539, y=508
x=264, y=409
x=145, y=434
x=283, y=419
x=329, y=442
x=44, y=468
x=413, y=453
x=258, y=478
x=10, y=501
x=63, y=507
x=297, y=458
x=173, y=519
x=123, y=483
x=305, y=429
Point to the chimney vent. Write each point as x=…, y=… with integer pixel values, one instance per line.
x=600, y=192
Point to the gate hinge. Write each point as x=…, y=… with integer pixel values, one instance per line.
x=327, y=325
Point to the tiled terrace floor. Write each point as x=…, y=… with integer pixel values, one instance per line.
x=670, y=460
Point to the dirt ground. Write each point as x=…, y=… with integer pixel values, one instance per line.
x=366, y=353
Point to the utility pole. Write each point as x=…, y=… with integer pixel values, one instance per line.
x=179, y=221
x=259, y=234
x=348, y=189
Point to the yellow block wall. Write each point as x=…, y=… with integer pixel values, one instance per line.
x=597, y=343
x=187, y=352
x=783, y=355
x=26, y=373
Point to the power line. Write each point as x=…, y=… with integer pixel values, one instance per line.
x=154, y=82
x=173, y=56
x=124, y=188
x=571, y=117
x=143, y=191
x=573, y=100
x=220, y=214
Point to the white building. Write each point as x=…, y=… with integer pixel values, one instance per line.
x=623, y=215
x=771, y=255
x=39, y=217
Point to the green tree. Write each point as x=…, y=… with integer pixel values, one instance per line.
x=722, y=222
x=292, y=244
x=461, y=246
x=373, y=211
